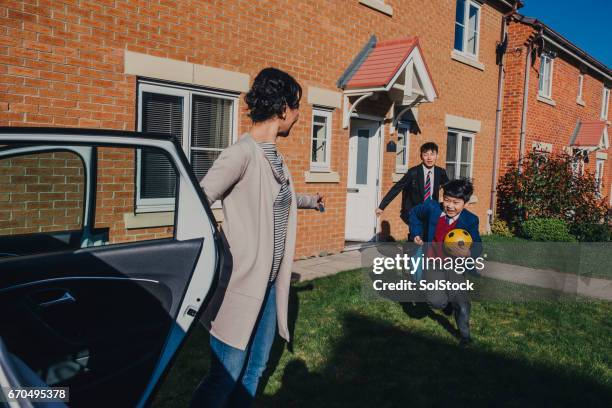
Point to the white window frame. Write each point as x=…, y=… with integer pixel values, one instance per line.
x=605, y=102
x=328, y=115
x=600, y=166
x=464, y=24
x=144, y=205
x=546, y=93
x=403, y=168
x=461, y=134
x=580, y=86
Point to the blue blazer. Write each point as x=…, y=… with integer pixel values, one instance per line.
x=424, y=219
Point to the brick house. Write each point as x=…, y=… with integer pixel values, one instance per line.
x=182, y=67
x=556, y=99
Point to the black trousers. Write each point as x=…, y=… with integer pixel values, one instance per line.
x=440, y=299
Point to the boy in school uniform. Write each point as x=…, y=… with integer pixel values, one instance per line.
x=429, y=223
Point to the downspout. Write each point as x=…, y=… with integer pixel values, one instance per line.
x=524, y=110
x=498, y=120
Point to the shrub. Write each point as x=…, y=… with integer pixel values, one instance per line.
x=547, y=229
x=500, y=227
x=546, y=187
x=591, y=232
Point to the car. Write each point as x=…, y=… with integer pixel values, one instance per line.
x=109, y=250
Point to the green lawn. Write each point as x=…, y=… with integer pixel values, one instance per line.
x=350, y=351
x=585, y=259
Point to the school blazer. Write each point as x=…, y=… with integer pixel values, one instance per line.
x=412, y=187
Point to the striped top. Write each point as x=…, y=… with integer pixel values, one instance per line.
x=281, y=208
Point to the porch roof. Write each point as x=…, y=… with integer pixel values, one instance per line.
x=391, y=64
x=590, y=134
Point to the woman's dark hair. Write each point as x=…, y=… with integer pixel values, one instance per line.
x=429, y=146
x=460, y=188
x=272, y=91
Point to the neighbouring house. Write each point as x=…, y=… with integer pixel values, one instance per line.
x=380, y=78
x=556, y=99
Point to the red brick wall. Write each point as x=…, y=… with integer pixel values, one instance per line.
x=62, y=65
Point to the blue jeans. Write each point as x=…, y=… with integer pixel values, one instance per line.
x=234, y=373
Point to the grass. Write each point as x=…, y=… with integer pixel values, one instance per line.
x=351, y=351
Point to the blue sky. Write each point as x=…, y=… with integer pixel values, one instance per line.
x=585, y=23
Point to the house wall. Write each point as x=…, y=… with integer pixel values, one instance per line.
x=63, y=65
x=547, y=123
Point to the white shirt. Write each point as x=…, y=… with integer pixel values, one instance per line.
x=431, y=177
x=451, y=220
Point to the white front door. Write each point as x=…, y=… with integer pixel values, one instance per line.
x=363, y=169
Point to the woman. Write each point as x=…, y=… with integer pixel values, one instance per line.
x=260, y=218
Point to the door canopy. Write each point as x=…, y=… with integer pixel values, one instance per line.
x=590, y=135
x=395, y=68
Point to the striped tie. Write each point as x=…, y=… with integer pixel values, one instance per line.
x=428, y=186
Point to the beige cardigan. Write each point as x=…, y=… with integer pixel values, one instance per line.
x=247, y=185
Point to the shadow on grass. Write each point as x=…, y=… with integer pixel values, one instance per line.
x=420, y=310
x=378, y=365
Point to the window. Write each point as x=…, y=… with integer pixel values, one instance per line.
x=68, y=197
x=363, y=146
x=467, y=27
x=204, y=123
x=580, y=84
x=42, y=193
x=604, y=103
x=459, y=154
x=599, y=172
x=545, y=84
x=321, y=138
x=403, y=143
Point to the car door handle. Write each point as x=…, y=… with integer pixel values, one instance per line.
x=65, y=298
x=352, y=190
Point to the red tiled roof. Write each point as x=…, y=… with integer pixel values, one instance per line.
x=589, y=133
x=383, y=63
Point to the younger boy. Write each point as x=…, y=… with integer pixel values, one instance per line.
x=430, y=222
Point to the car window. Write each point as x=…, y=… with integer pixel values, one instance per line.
x=119, y=179
x=74, y=197
x=41, y=193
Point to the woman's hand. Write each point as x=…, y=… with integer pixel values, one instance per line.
x=320, y=202
x=418, y=241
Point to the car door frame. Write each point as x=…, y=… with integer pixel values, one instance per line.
x=193, y=219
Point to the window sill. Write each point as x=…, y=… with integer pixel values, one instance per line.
x=148, y=220
x=321, y=177
x=395, y=177
x=378, y=5
x=546, y=100
x=472, y=62
x=580, y=102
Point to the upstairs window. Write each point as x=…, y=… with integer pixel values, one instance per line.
x=604, y=103
x=545, y=84
x=580, y=85
x=467, y=27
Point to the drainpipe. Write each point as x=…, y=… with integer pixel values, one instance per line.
x=498, y=119
x=524, y=111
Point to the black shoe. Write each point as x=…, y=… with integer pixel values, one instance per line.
x=465, y=341
x=448, y=310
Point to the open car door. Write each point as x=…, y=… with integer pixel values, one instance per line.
x=108, y=250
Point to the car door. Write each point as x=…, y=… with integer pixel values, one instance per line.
x=97, y=294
